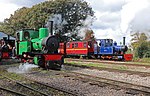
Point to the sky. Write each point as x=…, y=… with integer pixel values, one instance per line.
x=114, y=18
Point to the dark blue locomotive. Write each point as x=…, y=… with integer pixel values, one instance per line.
x=107, y=49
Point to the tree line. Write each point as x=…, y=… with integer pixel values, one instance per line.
x=73, y=12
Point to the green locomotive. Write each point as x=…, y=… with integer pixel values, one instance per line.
x=36, y=46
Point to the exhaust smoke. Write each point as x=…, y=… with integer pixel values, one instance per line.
x=22, y=68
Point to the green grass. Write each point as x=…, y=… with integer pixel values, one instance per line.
x=99, y=65
x=13, y=76
x=145, y=60
x=121, y=67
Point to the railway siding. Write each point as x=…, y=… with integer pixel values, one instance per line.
x=140, y=78
x=13, y=84
x=69, y=80
x=112, y=65
x=81, y=85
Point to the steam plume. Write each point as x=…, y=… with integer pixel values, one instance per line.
x=87, y=23
x=58, y=22
x=134, y=14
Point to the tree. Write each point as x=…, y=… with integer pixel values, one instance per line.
x=142, y=50
x=89, y=35
x=141, y=45
x=71, y=11
x=138, y=39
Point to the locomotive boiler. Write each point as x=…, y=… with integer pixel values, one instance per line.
x=36, y=46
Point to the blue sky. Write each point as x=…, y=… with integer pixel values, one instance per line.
x=114, y=18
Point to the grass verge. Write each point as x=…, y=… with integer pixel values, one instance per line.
x=98, y=65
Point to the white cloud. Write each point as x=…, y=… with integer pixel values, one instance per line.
x=108, y=14
x=129, y=11
x=6, y=9
x=106, y=5
x=27, y=3
x=107, y=20
x=115, y=18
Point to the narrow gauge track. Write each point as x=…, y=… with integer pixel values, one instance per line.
x=40, y=93
x=70, y=93
x=143, y=74
x=25, y=86
x=131, y=86
x=122, y=84
x=109, y=62
x=12, y=91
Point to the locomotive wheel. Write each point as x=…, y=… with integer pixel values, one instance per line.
x=40, y=61
x=49, y=65
x=56, y=65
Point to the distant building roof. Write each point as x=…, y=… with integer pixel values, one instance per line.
x=5, y=35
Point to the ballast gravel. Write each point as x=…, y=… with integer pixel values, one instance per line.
x=89, y=88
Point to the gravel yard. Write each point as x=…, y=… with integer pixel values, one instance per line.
x=83, y=87
x=135, y=79
x=80, y=86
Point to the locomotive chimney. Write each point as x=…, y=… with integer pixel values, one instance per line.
x=124, y=40
x=50, y=27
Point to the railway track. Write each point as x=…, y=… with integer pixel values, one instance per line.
x=102, y=82
x=22, y=86
x=128, y=86
x=94, y=80
x=109, y=62
x=143, y=74
x=125, y=85
x=32, y=87
x=12, y=91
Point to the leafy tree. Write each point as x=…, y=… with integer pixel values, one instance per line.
x=71, y=11
x=141, y=45
x=137, y=39
x=89, y=35
x=143, y=50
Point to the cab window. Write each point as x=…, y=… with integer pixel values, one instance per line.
x=73, y=45
x=76, y=45
x=68, y=45
x=84, y=44
x=26, y=35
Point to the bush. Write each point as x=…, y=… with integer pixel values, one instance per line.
x=143, y=50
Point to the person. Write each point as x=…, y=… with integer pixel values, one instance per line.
x=0, y=44
x=3, y=43
x=13, y=52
